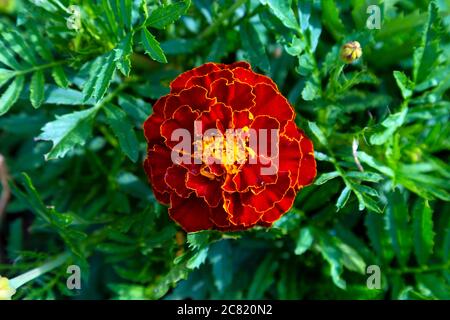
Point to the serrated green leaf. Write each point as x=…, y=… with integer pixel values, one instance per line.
x=105, y=75
x=60, y=77
x=283, y=11
x=426, y=56
x=162, y=16
x=20, y=46
x=422, y=220
x=331, y=253
x=123, y=130
x=68, y=131
x=11, y=94
x=37, y=89
x=198, y=259
x=331, y=19
x=311, y=91
x=253, y=46
x=152, y=47
x=391, y=123
x=396, y=219
x=89, y=85
x=122, y=55
x=406, y=86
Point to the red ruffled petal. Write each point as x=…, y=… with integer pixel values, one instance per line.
x=308, y=163
x=206, y=188
x=174, y=175
x=270, y=102
x=237, y=95
x=192, y=213
x=180, y=82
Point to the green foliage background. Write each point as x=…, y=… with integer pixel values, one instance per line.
x=76, y=86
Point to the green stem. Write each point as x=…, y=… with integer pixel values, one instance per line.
x=422, y=269
x=36, y=68
x=217, y=23
x=19, y=281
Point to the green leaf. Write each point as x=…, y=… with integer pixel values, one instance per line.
x=122, y=55
x=105, y=75
x=5, y=75
x=283, y=11
x=263, y=278
x=137, y=109
x=364, y=176
x=123, y=130
x=89, y=85
x=162, y=16
x=60, y=77
x=68, y=131
x=391, y=123
x=331, y=253
x=254, y=47
x=378, y=236
x=343, y=198
x=326, y=177
x=422, y=219
x=318, y=133
x=406, y=86
x=37, y=89
x=331, y=19
x=371, y=161
x=7, y=57
x=126, y=9
x=11, y=94
x=304, y=241
x=198, y=259
x=65, y=96
x=426, y=56
x=220, y=256
x=396, y=219
x=152, y=47
x=311, y=91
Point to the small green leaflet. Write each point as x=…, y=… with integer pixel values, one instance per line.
x=330, y=18
x=162, y=16
x=122, y=55
x=11, y=94
x=283, y=11
x=152, y=47
x=422, y=219
x=5, y=75
x=396, y=219
x=406, y=86
x=304, y=241
x=426, y=56
x=318, y=133
x=391, y=123
x=343, y=198
x=123, y=130
x=37, y=88
x=105, y=76
x=68, y=131
x=60, y=77
x=254, y=47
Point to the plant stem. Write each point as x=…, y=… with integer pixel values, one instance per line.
x=217, y=23
x=37, y=272
x=422, y=269
x=36, y=68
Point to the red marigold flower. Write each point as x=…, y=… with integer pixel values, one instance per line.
x=224, y=150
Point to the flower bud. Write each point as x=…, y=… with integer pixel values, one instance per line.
x=6, y=291
x=351, y=51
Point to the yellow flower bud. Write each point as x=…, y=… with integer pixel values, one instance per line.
x=6, y=291
x=351, y=51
